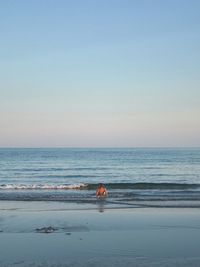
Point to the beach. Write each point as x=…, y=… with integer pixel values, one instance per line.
x=50, y=216
x=97, y=235
x=99, y=133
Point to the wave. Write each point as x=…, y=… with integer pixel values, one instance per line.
x=41, y=186
x=148, y=186
x=119, y=194
x=110, y=186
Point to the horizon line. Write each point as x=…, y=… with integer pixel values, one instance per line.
x=99, y=147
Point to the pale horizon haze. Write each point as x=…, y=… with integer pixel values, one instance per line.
x=100, y=73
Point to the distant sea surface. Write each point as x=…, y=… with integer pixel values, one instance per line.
x=135, y=176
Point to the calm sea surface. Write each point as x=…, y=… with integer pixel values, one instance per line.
x=132, y=176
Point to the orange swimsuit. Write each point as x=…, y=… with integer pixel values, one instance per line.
x=101, y=191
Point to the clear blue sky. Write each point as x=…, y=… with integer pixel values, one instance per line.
x=99, y=73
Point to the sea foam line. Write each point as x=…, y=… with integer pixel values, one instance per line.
x=41, y=186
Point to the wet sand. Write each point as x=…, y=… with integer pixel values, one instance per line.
x=94, y=235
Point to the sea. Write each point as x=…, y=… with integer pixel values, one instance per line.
x=134, y=177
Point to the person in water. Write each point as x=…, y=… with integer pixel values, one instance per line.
x=101, y=191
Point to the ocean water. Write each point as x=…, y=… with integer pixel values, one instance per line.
x=133, y=177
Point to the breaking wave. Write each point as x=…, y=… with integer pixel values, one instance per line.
x=111, y=186
x=41, y=186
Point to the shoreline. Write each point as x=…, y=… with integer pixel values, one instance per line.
x=95, y=204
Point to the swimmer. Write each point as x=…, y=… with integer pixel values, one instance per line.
x=101, y=191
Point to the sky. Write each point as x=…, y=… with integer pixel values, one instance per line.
x=99, y=73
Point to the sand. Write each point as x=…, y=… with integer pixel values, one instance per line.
x=94, y=235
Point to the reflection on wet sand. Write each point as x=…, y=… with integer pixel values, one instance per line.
x=101, y=205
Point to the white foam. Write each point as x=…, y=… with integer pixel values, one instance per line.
x=41, y=186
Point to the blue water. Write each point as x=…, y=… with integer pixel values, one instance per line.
x=136, y=174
